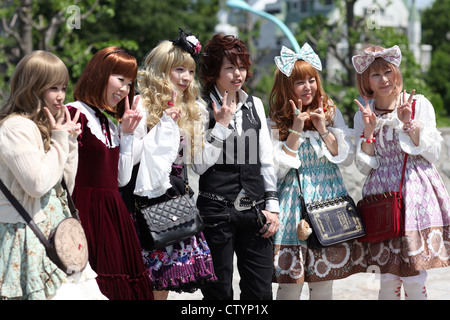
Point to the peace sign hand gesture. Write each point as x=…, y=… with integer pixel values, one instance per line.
x=369, y=118
x=172, y=111
x=224, y=115
x=299, y=117
x=131, y=117
x=65, y=122
x=404, y=111
x=318, y=117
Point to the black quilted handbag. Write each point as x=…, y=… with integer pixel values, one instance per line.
x=169, y=221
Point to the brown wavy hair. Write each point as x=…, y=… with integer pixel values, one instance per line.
x=280, y=110
x=93, y=82
x=34, y=74
x=218, y=47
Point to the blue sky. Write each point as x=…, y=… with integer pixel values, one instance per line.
x=423, y=3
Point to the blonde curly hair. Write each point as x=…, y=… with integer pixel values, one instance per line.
x=155, y=89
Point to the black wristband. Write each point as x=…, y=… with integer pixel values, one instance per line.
x=270, y=195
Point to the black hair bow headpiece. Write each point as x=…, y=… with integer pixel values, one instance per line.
x=188, y=43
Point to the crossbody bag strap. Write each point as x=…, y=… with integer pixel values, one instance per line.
x=73, y=209
x=413, y=107
x=185, y=178
x=300, y=187
x=26, y=217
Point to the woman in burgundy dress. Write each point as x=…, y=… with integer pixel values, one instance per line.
x=105, y=162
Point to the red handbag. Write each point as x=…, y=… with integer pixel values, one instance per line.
x=383, y=214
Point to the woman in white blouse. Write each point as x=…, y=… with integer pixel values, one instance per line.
x=394, y=124
x=166, y=141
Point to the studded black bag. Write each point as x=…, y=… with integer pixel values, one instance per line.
x=333, y=220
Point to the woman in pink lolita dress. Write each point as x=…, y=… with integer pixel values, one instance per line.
x=393, y=124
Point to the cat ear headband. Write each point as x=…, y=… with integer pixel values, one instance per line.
x=188, y=43
x=362, y=61
x=287, y=58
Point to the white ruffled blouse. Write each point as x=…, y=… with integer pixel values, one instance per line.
x=159, y=148
x=342, y=133
x=430, y=138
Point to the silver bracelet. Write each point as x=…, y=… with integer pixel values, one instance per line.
x=325, y=134
x=126, y=134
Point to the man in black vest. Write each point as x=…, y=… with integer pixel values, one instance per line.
x=237, y=186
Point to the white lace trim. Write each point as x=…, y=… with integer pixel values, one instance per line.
x=95, y=126
x=430, y=137
x=343, y=135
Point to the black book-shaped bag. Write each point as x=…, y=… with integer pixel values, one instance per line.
x=332, y=220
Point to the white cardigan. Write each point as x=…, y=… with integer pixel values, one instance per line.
x=28, y=171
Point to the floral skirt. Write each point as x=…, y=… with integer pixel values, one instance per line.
x=182, y=267
x=26, y=272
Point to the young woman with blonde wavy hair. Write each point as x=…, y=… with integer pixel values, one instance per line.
x=168, y=135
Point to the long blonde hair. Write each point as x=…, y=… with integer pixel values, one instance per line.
x=34, y=74
x=155, y=88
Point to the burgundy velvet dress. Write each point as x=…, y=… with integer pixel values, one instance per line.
x=114, y=249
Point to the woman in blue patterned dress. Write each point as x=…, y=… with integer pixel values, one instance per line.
x=313, y=138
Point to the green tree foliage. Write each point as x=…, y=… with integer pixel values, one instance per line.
x=75, y=35
x=147, y=22
x=436, y=31
x=28, y=25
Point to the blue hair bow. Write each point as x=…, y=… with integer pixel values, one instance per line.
x=287, y=58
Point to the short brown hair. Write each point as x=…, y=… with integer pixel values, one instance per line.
x=91, y=86
x=217, y=48
x=362, y=80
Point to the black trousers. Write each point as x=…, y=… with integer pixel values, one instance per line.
x=230, y=232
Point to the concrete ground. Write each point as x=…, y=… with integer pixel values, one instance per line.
x=363, y=286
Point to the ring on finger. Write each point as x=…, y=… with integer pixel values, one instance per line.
x=297, y=111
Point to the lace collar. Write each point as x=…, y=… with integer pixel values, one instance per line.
x=95, y=126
